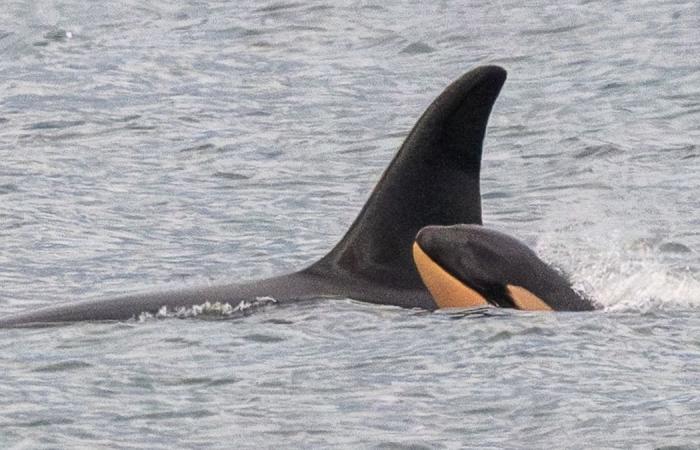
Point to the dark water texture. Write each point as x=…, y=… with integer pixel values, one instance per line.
x=157, y=143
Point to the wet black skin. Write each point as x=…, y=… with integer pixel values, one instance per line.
x=433, y=179
x=488, y=261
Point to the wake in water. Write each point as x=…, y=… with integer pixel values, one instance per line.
x=622, y=282
x=622, y=278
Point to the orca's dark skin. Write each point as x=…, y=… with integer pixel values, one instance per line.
x=470, y=265
x=433, y=180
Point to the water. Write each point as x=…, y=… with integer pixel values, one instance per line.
x=147, y=144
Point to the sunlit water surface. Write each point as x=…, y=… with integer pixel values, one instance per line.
x=154, y=143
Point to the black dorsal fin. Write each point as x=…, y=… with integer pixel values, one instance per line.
x=433, y=180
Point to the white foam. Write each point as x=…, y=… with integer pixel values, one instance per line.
x=207, y=309
x=622, y=278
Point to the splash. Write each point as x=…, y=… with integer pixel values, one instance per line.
x=629, y=279
x=208, y=310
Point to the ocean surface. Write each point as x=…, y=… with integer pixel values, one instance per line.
x=149, y=143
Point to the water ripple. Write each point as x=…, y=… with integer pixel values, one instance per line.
x=155, y=143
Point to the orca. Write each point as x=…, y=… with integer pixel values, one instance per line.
x=432, y=180
x=467, y=266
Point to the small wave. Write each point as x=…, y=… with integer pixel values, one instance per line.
x=56, y=124
x=231, y=176
x=613, y=85
x=237, y=32
x=63, y=366
x=277, y=7
x=495, y=195
x=168, y=415
x=8, y=188
x=555, y=30
x=598, y=151
x=263, y=338
x=469, y=313
x=417, y=48
x=199, y=148
x=674, y=247
x=58, y=35
x=45, y=422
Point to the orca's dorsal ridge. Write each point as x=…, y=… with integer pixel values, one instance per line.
x=432, y=180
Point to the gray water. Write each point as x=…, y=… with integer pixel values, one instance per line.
x=147, y=144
